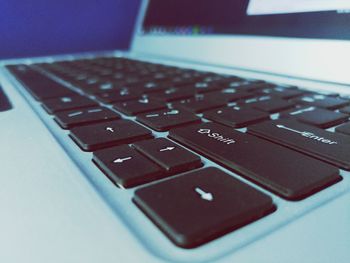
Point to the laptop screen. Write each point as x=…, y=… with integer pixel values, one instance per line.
x=323, y=19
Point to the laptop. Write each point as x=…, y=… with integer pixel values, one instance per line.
x=222, y=135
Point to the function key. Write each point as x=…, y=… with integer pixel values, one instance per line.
x=209, y=204
x=126, y=167
x=72, y=118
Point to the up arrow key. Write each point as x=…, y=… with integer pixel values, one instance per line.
x=204, y=195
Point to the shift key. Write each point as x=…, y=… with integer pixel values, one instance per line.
x=327, y=146
x=296, y=176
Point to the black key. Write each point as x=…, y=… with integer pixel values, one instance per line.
x=126, y=167
x=285, y=172
x=318, y=117
x=230, y=78
x=150, y=86
x=283, y=92
x=322, y=101
x=172, y=94
x=229, y=95
x=172, y=157
x=327, y=146
x=345, y=110
x=199, y=103
x=40, y=86
x=67, y=103
x=268, y=104
x=69, y=119
x=180, y=81
x=166, y=119
x=107, y=134
x=200, y=206
x=118, y=95
x=345, y=128
x=99, y=87
x=139, y=106
x=202, y=87
x=236, y=117
x=248, y=85
x=324, y=92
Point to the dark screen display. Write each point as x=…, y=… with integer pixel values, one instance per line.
x=184, y=17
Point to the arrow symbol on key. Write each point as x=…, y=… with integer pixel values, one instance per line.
x=288, y=129
x=204, y=195
x=110, y=129
x=167, y=149
x=121, y=160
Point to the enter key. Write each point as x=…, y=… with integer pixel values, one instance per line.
x=324, y=145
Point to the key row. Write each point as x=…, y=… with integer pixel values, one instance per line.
x=235, y=116
x=311, y=115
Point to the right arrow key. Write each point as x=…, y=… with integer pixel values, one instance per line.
x=200, y=206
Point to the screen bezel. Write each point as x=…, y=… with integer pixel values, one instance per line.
x=316, y=59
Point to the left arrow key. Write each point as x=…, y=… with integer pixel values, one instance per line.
x=126, y=167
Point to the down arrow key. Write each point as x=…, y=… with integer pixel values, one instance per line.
x=184, y=209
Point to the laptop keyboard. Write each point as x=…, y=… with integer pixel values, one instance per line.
x=115, y=107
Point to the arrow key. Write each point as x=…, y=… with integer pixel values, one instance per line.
x=102, y=135
x=202, y=205
x=126, y=167
x=172, y=157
